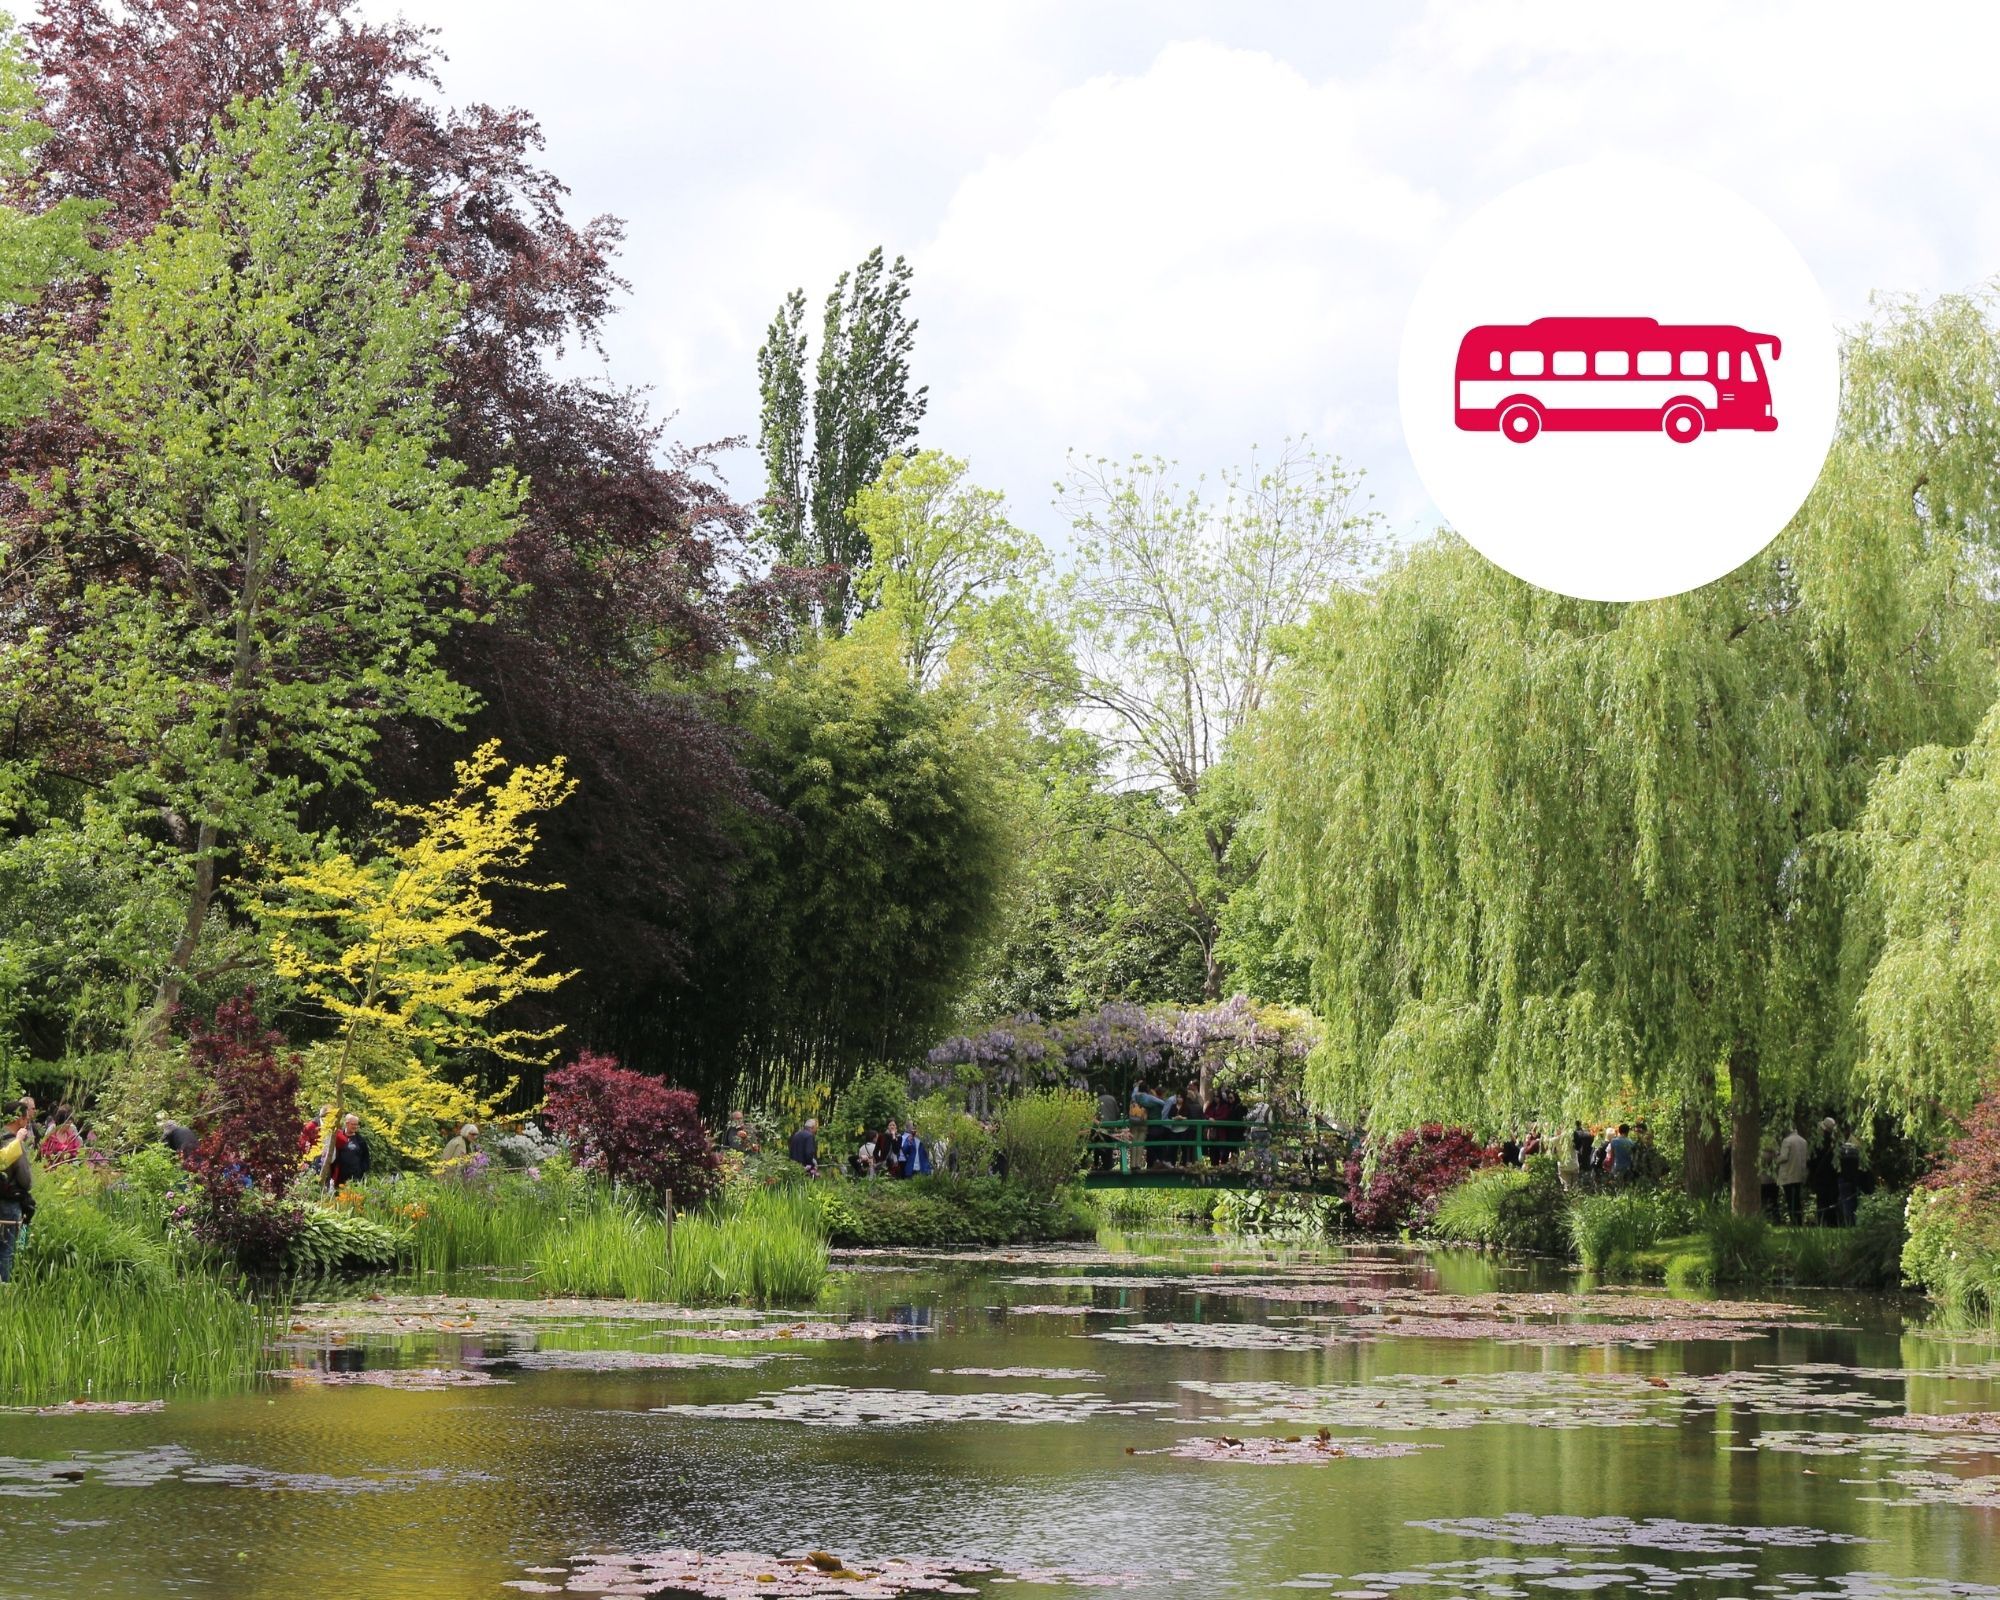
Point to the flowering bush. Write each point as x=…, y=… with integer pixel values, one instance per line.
x=1953, y=1244
x=1259, y=1049
x=633, y=1129
x=1409, y=1176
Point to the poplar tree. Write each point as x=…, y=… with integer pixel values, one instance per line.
x=1541, y=850
x=863, y=412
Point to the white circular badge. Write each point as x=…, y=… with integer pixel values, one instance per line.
x=1619, y=381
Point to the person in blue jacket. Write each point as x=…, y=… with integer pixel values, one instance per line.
x=916, y=1155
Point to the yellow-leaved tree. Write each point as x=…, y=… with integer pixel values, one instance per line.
x=404, y=949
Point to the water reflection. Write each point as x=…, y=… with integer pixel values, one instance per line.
x=984, y=1421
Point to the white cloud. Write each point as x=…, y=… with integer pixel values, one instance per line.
x=1188, y=227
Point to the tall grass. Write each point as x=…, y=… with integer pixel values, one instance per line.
x=1470, y=1212
x=1607, y=1230
x=765, y=1248
x=80, y=1336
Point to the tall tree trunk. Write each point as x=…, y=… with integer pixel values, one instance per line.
x=1703, y=1142
x=1746, y=1118
x=168, y=995
x=242, y=675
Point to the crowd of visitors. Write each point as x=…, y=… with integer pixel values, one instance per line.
x=895, y=1151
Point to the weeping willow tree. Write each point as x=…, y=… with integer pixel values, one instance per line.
x=1542, y=850
x=1925, y=944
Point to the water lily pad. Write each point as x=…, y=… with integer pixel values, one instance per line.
x=1215, y=1336
x=1072, y=1374
x=622, y=1360
x=734, y=1574
x=828, y=1405
x=1651, y=1533
x=419, y=1379
x=83, y=1408
x=1292, y=1451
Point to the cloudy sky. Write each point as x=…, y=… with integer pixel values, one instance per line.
x=1186, y=228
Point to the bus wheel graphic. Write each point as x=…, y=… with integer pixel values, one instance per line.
x=1521, y=421
x=1682, y=422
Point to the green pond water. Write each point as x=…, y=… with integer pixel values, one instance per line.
x=1659, y=1459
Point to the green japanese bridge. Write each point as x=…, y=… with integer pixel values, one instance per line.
x=1176, y=1154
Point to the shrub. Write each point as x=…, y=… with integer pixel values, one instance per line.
x=1534, y=1216
x=327, y=1239
x=1411, y=1174
x=634, y=1129
x=253, y=1101
x=960, y=1143
x=1043, y=1135
x=1607, y=1230
x=74, y=1233
x=868, y=1105
x=888, y=1213
x=1872, y=1250
x=1953, y=1217
x=256, y=1230
x=1469, y=1212
x=1739, y=1247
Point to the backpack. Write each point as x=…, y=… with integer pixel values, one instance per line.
x=11, y=1152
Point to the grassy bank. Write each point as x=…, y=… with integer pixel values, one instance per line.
x=941, y=1210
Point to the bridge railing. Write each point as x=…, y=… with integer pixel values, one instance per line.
x=1175, y=1153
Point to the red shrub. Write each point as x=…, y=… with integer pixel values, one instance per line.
x=633, y=1128
x=1969, y=1169
x=254, y=1100
x=250, y=1151
x=1411, y=1175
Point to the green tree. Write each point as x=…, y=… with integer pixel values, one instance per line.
x=1174, y=618
x=1094, y=908
x=863, y=411
x=38, y=247
x=1925, y=948
x=943, y=558
x=1540, y=849
x=249, y=570
x=866, y=890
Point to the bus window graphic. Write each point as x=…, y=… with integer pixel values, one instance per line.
x=1614, y=374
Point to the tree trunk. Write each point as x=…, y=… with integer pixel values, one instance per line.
x=1702, y=1145
x=1746, y=1117
x=168, y=996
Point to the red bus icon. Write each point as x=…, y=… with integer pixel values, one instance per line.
x=1613, y=374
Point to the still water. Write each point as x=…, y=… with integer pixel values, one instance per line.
x=1439, y=1425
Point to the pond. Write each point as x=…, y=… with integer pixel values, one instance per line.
x=1165, y=1415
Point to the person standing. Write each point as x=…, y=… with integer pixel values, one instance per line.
x=1105, y=1132
x=1793, y=1155
x=17, y=1185
x=61, y=1142
x=736, y=1133
x=1850, y=1180
x=1580, y=1141
x=916, y=1157
x=1619, y=1153
x=178, y=1137
x=459, y=1150
x=889, y=1151
x=1823, y=1173
x=804, y=1145
x=351, y=1155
